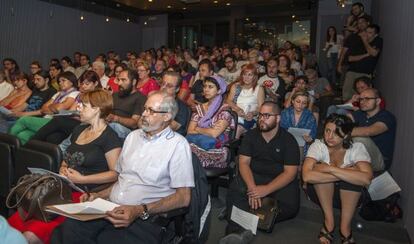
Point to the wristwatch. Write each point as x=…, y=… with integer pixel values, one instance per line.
x=144, y=215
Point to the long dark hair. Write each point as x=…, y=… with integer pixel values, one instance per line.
x=328, y=37
x=344, y=127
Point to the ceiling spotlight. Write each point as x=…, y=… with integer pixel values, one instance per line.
x=169, y=6
x=215, y=1
x=118, y=5
x=303, y=29
x=300, y=25
x=247, y=19
x=297, y=21
x=184, y=8
x=306, y=32
x=228, y=4
x=127, y=19
x=293, y=16
x=150, y=1
x=145, y=23
x=82, y=18
x=107, y=19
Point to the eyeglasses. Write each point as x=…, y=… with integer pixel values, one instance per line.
x=266, y=115
x=152, y=111
x=363, y=99
x=141, y=70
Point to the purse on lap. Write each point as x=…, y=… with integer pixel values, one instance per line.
x=267, y=214
x=34, y=192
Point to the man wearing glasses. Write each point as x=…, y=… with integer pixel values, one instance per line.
x=268, y=165
x=379, y=124
x=155, y=175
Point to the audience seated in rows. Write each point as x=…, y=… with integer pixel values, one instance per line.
x=89, y=162
x=161, y=183
x=41, y=93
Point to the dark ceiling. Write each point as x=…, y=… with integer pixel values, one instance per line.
x=186, y=5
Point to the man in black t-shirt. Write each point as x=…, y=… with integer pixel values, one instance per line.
x=363, y=52
x=268, y=165
x=128, y=105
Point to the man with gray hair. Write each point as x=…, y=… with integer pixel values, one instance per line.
x=99, y=68
x=149, y=182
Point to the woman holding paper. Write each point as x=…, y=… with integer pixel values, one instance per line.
x=299, y=116
x=336, y=165
x=88, y=162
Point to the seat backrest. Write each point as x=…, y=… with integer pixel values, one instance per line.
x=30, y=158
x=7, y=168
x=13, y=141
x=233, y=132
x=50, y=149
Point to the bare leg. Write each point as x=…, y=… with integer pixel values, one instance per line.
x=349, y=201
x=325, y=194
x=32, y=238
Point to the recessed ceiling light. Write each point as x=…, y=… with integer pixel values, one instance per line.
x=82, y=18
x=145, y=23
x=184, y=8
x=107, y=19
x=150, y=1
x=118, y=5
x=128, y=20
x=228, y=4
x=247, y=19
x=297, y=21
x=215, y=1
x=293, y=16
x=169, y=6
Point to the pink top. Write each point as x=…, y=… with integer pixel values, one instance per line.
x=149, y=86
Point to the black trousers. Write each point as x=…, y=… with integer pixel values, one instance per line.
x=103, y=232
x=288, y=200
x=57, y=130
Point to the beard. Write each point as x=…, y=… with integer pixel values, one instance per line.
x=124, y=92
x=263, y=127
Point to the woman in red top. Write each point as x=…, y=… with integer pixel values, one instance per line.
x=146, y=85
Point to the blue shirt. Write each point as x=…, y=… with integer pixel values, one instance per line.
x=306, y=121
x=384, y=141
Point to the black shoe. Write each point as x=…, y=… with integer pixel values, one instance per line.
x=243, y=238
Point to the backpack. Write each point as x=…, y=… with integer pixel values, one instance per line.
x=386, y=209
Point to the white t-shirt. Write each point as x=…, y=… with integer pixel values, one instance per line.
x=356, y=153
x=228, y=76
x=73, y=95
x=5, y=89
x=269, y=82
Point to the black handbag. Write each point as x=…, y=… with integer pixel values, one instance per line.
x=267, y=214
x=34, y=192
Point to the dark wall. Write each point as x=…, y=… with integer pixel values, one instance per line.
x=395, y=72
x=37, y=30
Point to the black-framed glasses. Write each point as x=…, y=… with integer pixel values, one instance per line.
x=266, y=115
x=361, y=99
x=152, y=111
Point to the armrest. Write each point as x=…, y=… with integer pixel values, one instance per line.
x=174, y=213
x=163, y=219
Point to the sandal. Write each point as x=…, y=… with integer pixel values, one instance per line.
x=347, y=240
x=324, y=233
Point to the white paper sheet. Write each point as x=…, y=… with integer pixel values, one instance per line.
x=383, y=186
x=298, y=133
x=64, y=178
x=97, y=206
x=347, y=106
x=245, y=219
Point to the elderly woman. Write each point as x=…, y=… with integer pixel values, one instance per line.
x=245, y=97
x=299, y=116
x=333, y=165
x=89, y=161
x=210, y=125
x=27, y=126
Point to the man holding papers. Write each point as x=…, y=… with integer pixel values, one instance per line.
x=268, y=164
x=155, y=176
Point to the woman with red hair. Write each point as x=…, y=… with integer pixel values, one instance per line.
x=245, y=98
